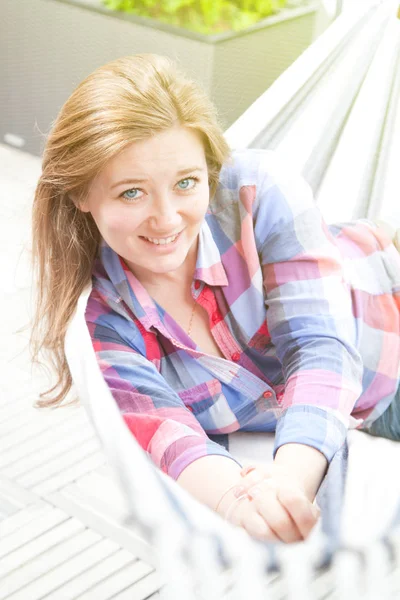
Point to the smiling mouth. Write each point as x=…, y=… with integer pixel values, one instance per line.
x=167, y=241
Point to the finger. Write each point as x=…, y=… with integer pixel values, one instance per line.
x=255, y=476
x=247, y=468
x=256, y=526
x=274, y=513
x=303, y=513
x=246, y=516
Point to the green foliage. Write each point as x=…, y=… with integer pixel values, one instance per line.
x=204, y=16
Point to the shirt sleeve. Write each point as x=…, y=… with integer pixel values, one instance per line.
x=152, y=410
x=309, y=312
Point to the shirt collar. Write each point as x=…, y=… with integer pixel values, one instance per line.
x=209, y=269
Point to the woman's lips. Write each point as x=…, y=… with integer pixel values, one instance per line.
x=163, y=247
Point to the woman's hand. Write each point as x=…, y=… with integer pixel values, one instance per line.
x=277, y=509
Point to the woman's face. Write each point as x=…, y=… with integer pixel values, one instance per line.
x=158, y=189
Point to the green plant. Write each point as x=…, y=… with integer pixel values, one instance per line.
x=203, y=16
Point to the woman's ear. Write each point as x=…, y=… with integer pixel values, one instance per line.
x=80, y=203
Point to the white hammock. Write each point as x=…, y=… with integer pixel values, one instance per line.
x=344, y=130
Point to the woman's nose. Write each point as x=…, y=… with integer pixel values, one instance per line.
x=165, y=217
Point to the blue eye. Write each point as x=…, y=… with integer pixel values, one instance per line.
x=127, y=195
x=132, y=194
x=183, y=181
x=194, y=181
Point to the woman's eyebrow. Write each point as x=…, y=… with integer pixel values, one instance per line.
x=178, y=173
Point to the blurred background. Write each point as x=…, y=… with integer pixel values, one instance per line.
x=235, y=48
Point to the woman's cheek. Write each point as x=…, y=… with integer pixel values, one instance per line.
x=120, y=221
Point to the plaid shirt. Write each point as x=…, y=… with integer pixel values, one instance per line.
x=306, y=316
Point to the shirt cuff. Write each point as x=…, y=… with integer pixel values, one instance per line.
x=191, y=454
x=311, y=426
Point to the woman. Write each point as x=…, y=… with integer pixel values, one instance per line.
x=220, y=301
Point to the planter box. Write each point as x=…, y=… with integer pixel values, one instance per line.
x=51, y=45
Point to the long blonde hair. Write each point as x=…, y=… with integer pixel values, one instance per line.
x=124, y=101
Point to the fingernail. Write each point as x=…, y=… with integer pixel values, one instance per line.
x=246, y=470
x=239, y=490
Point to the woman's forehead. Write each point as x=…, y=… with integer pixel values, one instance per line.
x=169, y=155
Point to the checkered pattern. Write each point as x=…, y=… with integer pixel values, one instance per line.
x=305, y=314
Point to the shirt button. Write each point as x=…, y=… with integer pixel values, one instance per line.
x=267, y=394
x=236, y=356
x=197, y=284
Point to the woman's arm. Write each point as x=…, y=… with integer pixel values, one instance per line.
x=306, y=465
x=309, y=312
x=282, y=512
x=208, y=478
x=154, y=413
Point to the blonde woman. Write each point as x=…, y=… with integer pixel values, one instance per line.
x=221, y=301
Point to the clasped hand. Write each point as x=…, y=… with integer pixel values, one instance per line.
x=276, y=507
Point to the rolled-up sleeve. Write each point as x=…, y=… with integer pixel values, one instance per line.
x=152, y=410
x=309, y=312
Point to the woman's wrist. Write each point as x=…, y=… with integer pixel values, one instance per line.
x=234, y=504
x=234, y=491
x=208, y=478
x=305, y=464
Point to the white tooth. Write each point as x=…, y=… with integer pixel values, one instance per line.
x=162, y=241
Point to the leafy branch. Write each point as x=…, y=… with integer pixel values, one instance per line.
x=203, y=16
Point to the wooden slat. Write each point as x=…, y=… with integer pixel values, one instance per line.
x=54, y=579
x=51, y=518
x=142, y=589
x=104, y=516
x=116, y=583
x=27, y=417
x=58, y=481
x=61, y=462
x=18, y=459
x=32, y=574
x=93, y=576
x=7, y=508
x=22, y=517
x=37, y=426
x=101, y=485
x=72, y=427
x=16, y=494
x=47, y=540
x=12, y=408
x=51, y=453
